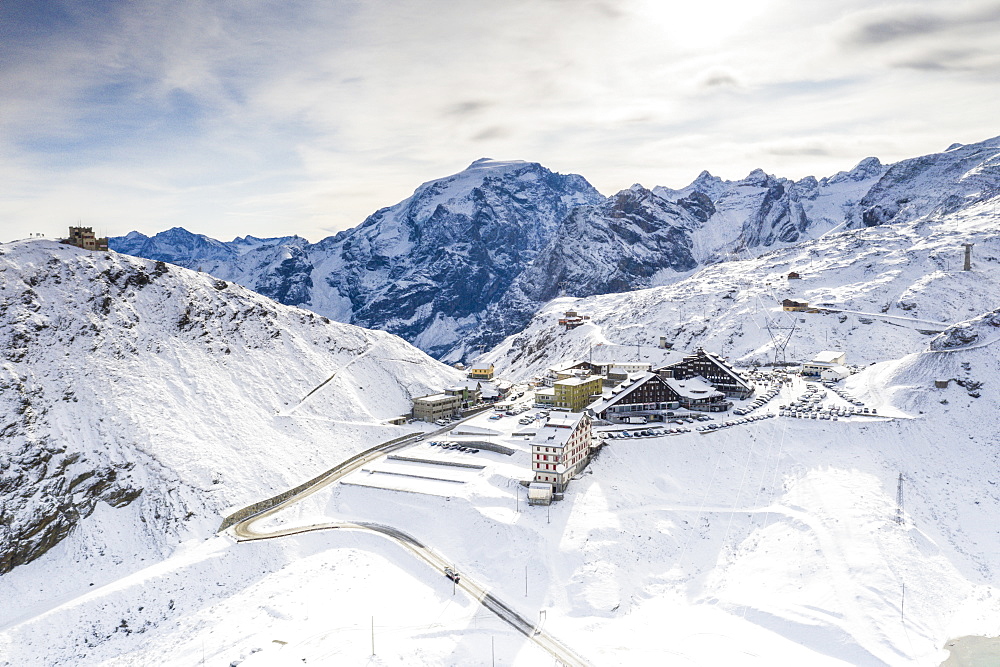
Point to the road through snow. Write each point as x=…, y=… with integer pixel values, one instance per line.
x=244, y=532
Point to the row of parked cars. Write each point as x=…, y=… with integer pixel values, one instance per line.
x=844, y=395
x=454, y=445
x=689, y=419
x=709, y=428
x=758, y=403
x=816, y=412
x=654, y=432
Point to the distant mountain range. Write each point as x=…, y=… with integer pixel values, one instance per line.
x=468, y=259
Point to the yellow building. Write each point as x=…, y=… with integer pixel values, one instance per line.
x=481, y=372
x=575, y=393
x=84, y=237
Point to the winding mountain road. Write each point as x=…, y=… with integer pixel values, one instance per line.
x=244, y=531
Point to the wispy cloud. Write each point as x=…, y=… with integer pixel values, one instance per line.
x=304, y=116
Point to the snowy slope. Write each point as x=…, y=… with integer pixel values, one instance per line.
x=892, y=282
x=132, y=383
x=773, y=543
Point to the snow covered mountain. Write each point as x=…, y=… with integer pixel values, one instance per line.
x=632, y=240
x=877, y=290
x=468, y=259
x=164, y=393
x=424, y=269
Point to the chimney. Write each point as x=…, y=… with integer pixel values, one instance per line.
x=968, y=256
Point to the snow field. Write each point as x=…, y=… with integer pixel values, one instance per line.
x=770, y=543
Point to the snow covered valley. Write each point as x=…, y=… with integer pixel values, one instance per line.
x=164, y=399
x=771, y=543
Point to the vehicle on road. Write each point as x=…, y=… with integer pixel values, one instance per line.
x=451, y=574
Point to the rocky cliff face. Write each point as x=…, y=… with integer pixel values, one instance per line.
x=940, y=183
x=425, y=269
x=624, y=243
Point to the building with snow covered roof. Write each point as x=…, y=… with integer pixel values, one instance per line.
x=824, y=361
x=560, y=449
x=712, y=368
x=566, y=369
x=436, y=406
x=642, y=394
x=791, y=305
x=697, y=393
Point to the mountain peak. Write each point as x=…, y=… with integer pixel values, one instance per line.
x=756, y=177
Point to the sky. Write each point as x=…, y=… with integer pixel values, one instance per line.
x=297, y=117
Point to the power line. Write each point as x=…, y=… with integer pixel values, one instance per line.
x=899, y=500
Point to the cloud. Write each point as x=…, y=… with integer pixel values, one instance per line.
x=720, y=79
x=905, y=22
x=274, y=117
x=466, y=108
x=492, y=132
x=800, y=150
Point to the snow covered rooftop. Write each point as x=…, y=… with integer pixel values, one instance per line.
x=435, y=398
x=828, y=357
x=576, y=381
x=621, y=392
x=557, y=430
x=694, y=388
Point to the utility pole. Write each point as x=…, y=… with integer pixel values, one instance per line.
x=525, y=581
x=899, y=500
x=493, y=653
x=373, y=635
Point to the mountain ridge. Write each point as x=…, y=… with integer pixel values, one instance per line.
x=469, y=257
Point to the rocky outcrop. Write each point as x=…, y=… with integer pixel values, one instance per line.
x=939, y=183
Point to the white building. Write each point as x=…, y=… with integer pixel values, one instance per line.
x=826, y=360
x=560, y=449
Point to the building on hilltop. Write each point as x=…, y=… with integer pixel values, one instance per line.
x=84, y=237
x=711, y=368
x=572, y=319
x=560, y=449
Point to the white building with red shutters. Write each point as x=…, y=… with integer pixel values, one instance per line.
x=560, y=449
